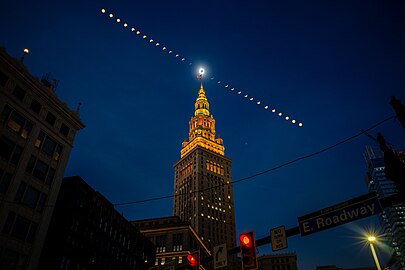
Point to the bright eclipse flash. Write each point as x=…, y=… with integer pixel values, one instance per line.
x=201, y=71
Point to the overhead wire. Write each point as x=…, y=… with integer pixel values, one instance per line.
x=363, y=131
x=265, y=171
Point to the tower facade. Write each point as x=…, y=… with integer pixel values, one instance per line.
x=392, y=219
x=203, y=180
x=37, y=132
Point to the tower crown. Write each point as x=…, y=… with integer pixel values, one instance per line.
x=202, y=128
x=202, y=105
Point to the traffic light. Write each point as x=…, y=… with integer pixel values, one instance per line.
x=394, y=167
x=399, y=109
x=193, y=260
x=248, y=250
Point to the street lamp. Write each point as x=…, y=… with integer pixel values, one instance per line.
x=25, y=52
x=372, y=239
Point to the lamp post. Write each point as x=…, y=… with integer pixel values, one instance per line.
x=372, y=239
x=25, y=52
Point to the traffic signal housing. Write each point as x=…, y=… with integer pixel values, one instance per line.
x=399, y=109
x=248, y=250
x=394, y=167
x=193, y=260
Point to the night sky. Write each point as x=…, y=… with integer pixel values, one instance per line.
x=332, y=65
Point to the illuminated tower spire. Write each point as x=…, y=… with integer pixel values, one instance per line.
x=203, y=181
x=202, y=128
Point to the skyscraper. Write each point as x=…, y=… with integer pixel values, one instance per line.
x=203, y=180
x=392, y=219
x=37, y=132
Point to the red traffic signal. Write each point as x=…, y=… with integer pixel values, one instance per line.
x=248, y=250
x=191, y=260
x=246, y=240
x=194, y=259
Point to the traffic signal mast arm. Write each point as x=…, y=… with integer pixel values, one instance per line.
x=385, y=202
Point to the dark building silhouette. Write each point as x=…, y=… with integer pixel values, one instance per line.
x=174, y=240
x=37, y=132
x=334, y=267
x=282, y=261
x=86, y=232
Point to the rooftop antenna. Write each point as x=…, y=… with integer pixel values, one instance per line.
x=201, y=72
x=50, y=82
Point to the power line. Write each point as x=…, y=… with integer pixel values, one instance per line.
x=266, y=171
x=253, y=175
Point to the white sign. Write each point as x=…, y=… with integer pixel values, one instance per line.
x=278, y=238
x=220, y=256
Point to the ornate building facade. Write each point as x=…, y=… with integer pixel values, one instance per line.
x=203, y=180
x=174, y=240
x=37, y=131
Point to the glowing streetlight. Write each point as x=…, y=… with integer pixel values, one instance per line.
x=25, y=52
x=371, y=239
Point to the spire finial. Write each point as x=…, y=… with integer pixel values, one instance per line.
x=200, y=75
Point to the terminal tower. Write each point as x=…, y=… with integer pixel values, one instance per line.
x=203, y=180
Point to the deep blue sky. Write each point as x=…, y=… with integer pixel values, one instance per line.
x=331, y=64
